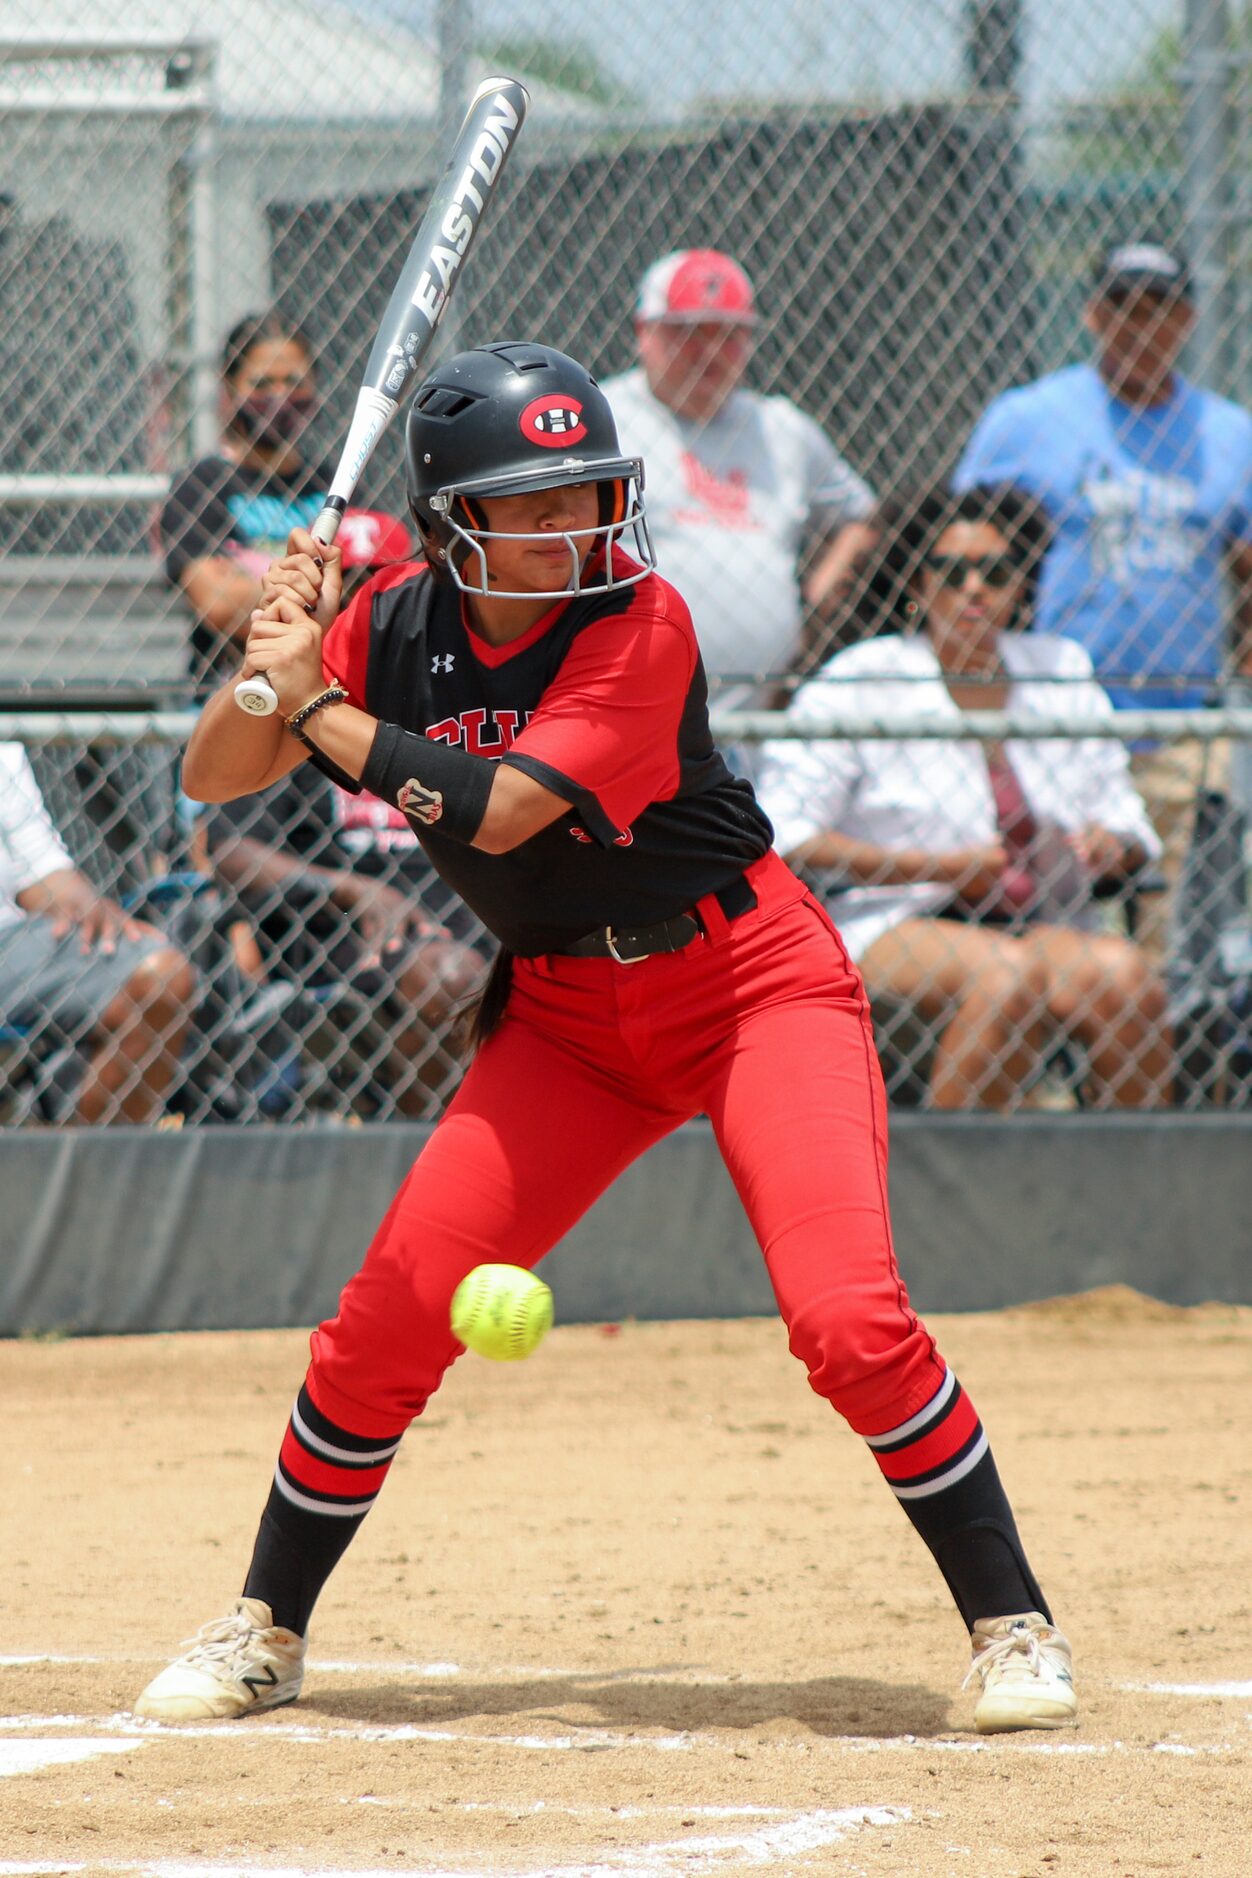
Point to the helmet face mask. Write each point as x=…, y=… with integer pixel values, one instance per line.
x=516, y=419
x=466, y=540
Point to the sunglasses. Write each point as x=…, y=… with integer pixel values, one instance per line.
x=994, y=570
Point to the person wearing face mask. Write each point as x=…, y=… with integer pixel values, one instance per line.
x=228, y=514
x=340, y=891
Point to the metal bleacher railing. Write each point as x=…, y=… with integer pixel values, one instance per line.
x=319, y=1041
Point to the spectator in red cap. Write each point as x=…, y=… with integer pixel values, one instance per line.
x=339, y=891
x=369, y=540
x=754, y=515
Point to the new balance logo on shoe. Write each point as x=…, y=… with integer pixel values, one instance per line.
x=239, y=1663
x=256, y=1683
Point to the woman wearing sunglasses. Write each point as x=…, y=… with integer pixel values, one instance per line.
x=966, y=872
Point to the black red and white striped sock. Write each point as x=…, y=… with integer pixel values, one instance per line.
x=326, y=1480
x=325, y=1469
x=940, y=1467
x=935, y=1448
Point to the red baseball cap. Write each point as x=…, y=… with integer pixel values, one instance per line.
x=694, y=285
x=368, y=538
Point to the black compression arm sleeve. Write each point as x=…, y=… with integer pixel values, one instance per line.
x=321, y=761
x=434, y=784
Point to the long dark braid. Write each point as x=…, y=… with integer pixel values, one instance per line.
x=482, y=1014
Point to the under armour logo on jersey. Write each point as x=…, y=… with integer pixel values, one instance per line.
x=442, y=662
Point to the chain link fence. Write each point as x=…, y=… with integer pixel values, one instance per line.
x=919, y=193
x=327, y=968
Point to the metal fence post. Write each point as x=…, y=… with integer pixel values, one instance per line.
x=192, y=258
x=993, y=45
x=1206, y=186
x=455, y=30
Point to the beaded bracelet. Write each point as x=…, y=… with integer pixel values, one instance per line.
x=333, y=694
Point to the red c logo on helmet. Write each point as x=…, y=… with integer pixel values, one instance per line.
x=555, y=422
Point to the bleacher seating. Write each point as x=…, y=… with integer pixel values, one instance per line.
x=90, y=624
x=84, y=607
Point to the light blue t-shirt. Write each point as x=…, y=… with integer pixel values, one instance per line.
x=1144, y=503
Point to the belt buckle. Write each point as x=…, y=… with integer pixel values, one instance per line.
x=611, y=943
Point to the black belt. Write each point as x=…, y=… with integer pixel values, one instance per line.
x=629, y=944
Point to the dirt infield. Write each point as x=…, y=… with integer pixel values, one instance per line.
x=639, y=1606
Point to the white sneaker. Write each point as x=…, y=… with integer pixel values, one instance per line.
x=1027, y=1680
x=233, y=1666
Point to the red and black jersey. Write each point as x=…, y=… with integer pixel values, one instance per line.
x=603, y=701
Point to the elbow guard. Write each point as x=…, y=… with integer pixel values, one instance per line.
x=434, y=784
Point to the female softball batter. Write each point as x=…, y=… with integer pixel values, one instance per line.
x=533, y=699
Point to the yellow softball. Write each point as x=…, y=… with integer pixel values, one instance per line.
x=501, y=1311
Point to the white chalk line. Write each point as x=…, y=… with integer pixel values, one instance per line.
x=1218, y=1691
x=589, y=1740
x=30, y=1756
x=134, y=1726
x=788, y=1838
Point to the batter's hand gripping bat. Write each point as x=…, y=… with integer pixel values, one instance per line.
x=417, y=304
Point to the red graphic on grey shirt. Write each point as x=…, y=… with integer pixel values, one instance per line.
x=725, y=500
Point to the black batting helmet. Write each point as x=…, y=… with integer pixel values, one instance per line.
x=506, y=419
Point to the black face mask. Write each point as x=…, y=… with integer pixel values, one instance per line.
x=269, y=421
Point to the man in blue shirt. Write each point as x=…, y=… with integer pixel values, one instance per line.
x=1148, y=482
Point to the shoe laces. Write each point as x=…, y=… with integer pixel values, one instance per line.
x=221, y=1643
x=1021, y=1640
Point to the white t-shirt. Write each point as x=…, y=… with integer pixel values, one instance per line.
x=30, y=848
x=935, y=794
x=730, y=504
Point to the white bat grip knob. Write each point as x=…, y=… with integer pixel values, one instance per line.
x=256, y=696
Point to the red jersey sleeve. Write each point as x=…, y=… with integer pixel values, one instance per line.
x=346, y=645
x=605, y=733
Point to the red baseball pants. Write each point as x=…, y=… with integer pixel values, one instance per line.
x=762, y=1025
